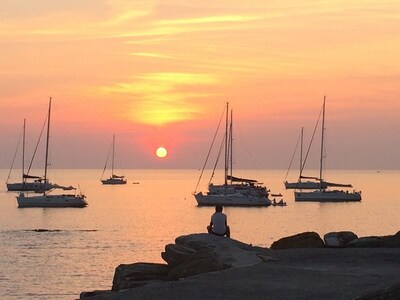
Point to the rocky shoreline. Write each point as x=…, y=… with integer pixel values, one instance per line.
x=207, y=266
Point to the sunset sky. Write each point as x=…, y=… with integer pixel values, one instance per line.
x=158, y=73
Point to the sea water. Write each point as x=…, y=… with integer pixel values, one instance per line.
x=79, y=248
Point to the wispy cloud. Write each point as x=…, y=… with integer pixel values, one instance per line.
x=163, y=98
x=152, y=55
x=211, y=19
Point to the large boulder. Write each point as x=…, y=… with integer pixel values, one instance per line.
x=389, y=241
x=176, y=255
x=367, y=242
x=138, y=274
x=199, y=241
x=203, y=261
x=228, y=252
x=301, y=240
x=339, y=239
x=191, y=255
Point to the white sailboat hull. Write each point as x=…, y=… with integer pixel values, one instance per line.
x=51, y=201
x=114, y=181
x=327, y=196
x=231, y=200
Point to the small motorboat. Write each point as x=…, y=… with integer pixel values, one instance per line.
x=279, y=203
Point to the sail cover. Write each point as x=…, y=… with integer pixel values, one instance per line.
x=32, y=177
x=339, y=184
x=308, y=177
x=237, y=179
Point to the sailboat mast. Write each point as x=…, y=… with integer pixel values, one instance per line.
x=322, y=144
x=226, y=144
x=112, y=162
x=301, y=153
x=231, y=146
x=23, y=151
x=47, y=146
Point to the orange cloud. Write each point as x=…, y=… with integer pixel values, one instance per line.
x=162, y=98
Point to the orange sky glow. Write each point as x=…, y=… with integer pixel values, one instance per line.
x=158, y=73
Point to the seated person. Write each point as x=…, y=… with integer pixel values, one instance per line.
x=219, y=224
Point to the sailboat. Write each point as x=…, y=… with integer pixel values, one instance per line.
x=316, y=183
x=36, y=183
x=50, y=200
x=235, y=191
x=310, y=182
x=321, y=194
x=300, y=183
x=114, y=179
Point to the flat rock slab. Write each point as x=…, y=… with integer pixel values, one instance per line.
x=199, y=241
x=325, y=273
x=229, y=252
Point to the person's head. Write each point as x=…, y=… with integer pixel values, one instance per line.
x=218, y=208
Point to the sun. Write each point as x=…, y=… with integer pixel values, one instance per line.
x=161, y=152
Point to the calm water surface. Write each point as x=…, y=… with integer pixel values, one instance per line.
x=132, y=223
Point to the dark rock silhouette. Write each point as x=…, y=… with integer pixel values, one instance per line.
x=301, y=240
x=196, y=254
x=339, y=239
x=388, y=241
x=138, y=274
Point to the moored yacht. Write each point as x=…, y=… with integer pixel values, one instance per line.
x=234, y=191
x=321, y=194
x=113, y=179
x=50, y=200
